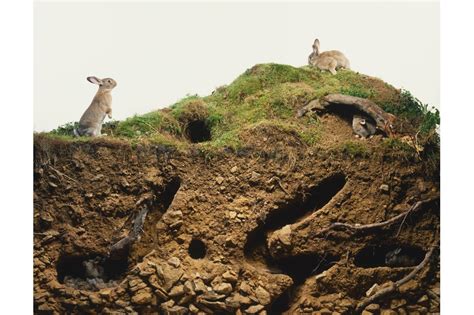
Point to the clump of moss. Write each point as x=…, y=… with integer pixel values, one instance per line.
x=355, y=149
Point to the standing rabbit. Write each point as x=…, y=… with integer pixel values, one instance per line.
x=92, y=119
x=328, y=60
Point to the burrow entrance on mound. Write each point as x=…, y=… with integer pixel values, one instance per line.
x=197, y=131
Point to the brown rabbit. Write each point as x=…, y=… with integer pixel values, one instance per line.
x=92, y=119
x=328, y=60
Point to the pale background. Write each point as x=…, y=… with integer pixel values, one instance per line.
x=159, y=52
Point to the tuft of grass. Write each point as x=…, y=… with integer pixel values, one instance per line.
x=148, y=124
x=66, y=129
x=355, y=149
x=409, y=107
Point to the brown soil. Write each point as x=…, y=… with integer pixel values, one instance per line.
x=230, y=232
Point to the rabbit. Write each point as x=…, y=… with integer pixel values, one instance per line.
x=396, y=258
x=363, y=126
x=92, y=119
x=328, y=60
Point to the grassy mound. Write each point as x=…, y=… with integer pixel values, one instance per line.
x=262, y=100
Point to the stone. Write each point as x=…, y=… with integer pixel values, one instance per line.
x=237, y=300
x=172, y=216
x=230, y=276
x=424, y=300
x=95, y=299
x=189, y=288
x=122, y=303
x=284, y=235
x=372, y=308
x=219, y=180
x=176, y=291
x=174, y=261
x=396, y=303
x=169, y=303
x=263, y=296
x=388, y=312
x=254, y=177
x=193, y=309
x=232, y=214
x=175, y=310
x=325, y=311
x=142, y=297
x=200, y=286
x=254, y=309
x=365, y=312
x=245, y=287
x=384, y=188
x=223, y=288
x=234, y=169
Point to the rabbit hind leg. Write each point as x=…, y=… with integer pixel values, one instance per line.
x=332, y=66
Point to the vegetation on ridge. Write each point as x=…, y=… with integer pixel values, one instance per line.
x=264, y=95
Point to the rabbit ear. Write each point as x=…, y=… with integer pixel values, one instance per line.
x=94, y=80
x=316, y=45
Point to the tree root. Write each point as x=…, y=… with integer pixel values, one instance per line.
x=382, y=119
x=395, y=286
x=359, y=228
x=132, y=236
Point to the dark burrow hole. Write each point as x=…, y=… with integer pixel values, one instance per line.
x=91, y=272
x=389, y=256
x=299, y=268
x=197, y=249
x=198, y=131
x=308, y=202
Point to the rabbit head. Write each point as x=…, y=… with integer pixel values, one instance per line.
x=104, y=84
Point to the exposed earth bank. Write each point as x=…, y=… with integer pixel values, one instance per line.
x=248, y=229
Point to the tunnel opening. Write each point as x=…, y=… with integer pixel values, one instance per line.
x=197, y=249
x=301, y=206
x=198, y=131
x=91, y=272
x=389, y=256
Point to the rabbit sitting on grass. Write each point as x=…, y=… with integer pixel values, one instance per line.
x=92, y=119
x=328, y=60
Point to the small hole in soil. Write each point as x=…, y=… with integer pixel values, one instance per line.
x=90, y=272
x=198, y=131
x=197, y=249
x=390, y=255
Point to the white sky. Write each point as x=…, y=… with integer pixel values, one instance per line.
x=159, y=52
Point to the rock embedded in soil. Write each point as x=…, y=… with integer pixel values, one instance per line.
x=263, y=296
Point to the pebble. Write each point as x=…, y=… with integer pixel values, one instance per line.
x=254, y=309
x=174, y=261
x=263, y=296
x=142, y=297
x=219, y=180
x=223, y=288
x=234, y=169
x=384, y=188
